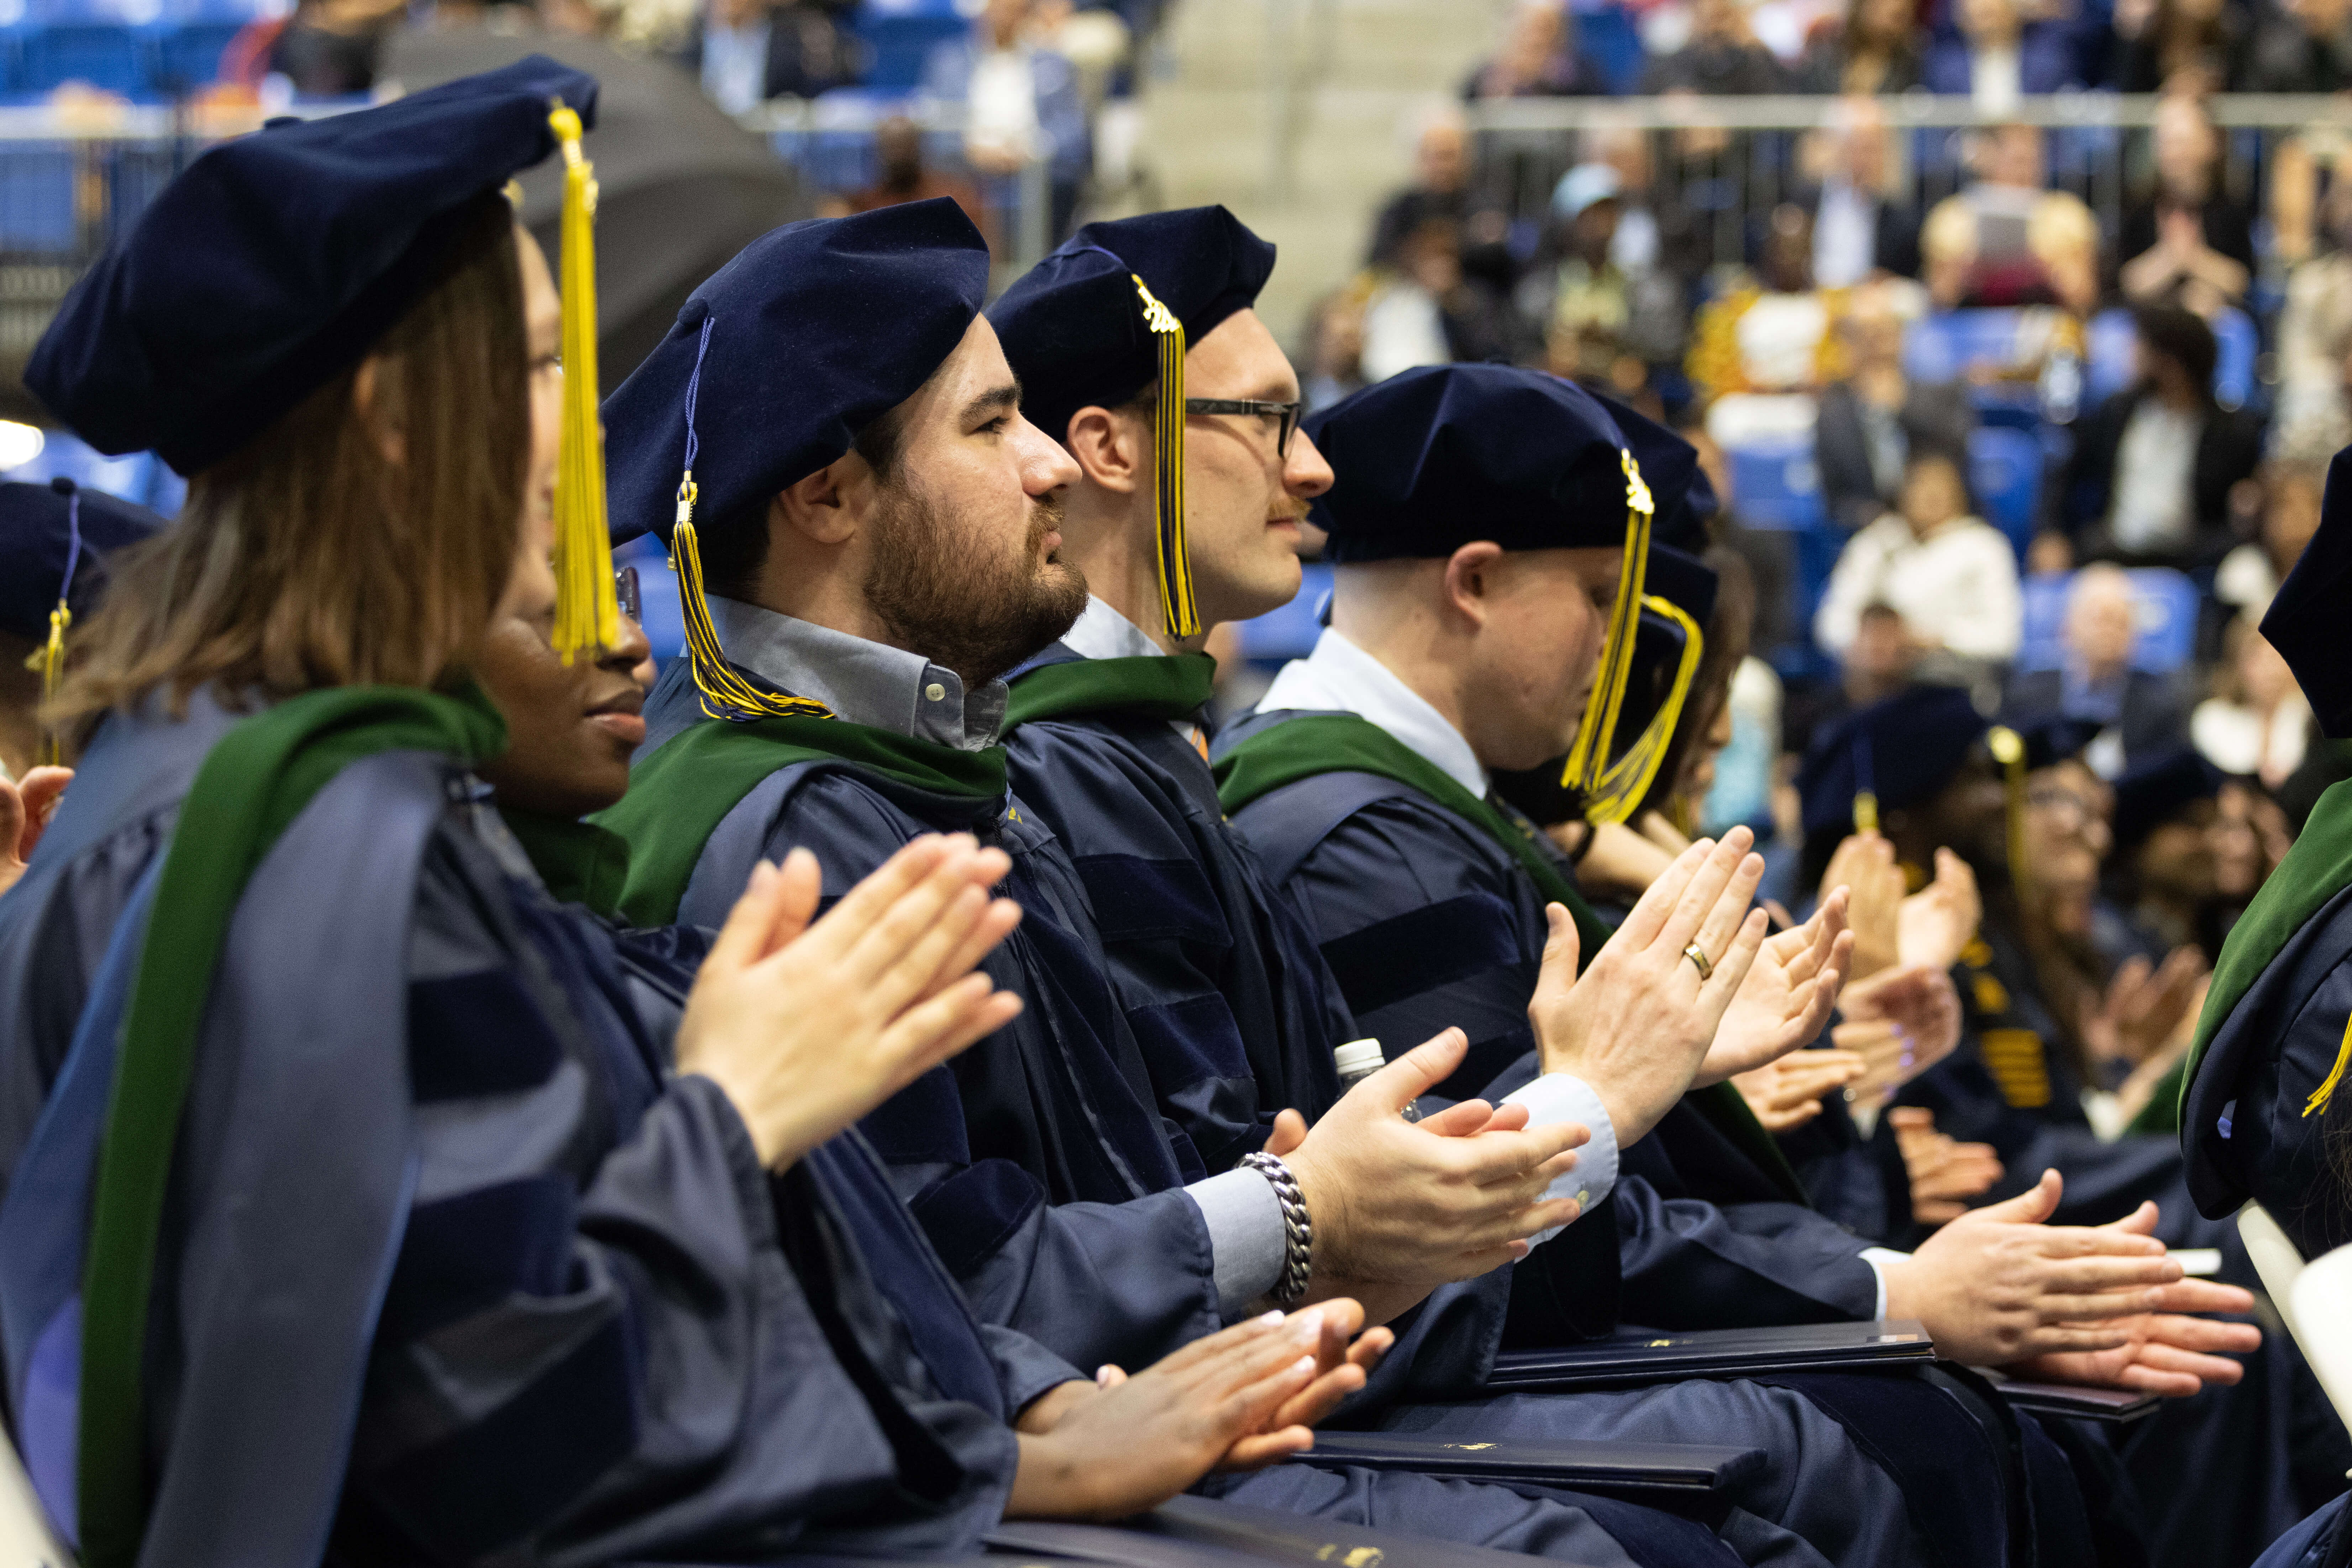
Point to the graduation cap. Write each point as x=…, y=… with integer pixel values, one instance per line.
x=1669, y=465
x=2306, y=618
x=2053, y=738
x=773, y=366
x=1891, y=754
x=1437, y=458
x=1116, y=308
x=53, y=539
x=2153, y=794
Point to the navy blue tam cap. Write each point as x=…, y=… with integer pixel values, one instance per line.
x=1435, y=458
x=2306, y=618
x=1670, y=468
x=2152, y=794
x=54, y=540
x=812, y=332
x=1900, y=751
x=1072, y=326
x=279, y=259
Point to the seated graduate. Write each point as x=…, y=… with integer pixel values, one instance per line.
x=54, y=542
x=1231, y=1005
x=888, y=528
x=443, y=1263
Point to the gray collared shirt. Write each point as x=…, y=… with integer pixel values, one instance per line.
x=864, y=682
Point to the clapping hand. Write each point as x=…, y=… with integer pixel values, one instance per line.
x=1787, y=1093
x=1936, y=924
x=1903, y=1021
x=2143, y=1005
x=1944, y=1172
x=2164, y=1351
x=24, y=809
x=1787, y=997
x=1865, y=866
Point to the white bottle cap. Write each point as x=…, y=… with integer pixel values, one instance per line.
x=1358, y=1057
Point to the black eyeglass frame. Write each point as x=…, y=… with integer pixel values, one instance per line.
x=626, y=592
x=1288, y=412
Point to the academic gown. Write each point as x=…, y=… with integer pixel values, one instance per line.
x=1427, y=920
x=452, y=1265
x=1037, y=1163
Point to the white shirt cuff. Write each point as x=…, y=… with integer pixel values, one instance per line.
x=1557, y=1097
x=1247, y=1242
x=1878, y=1257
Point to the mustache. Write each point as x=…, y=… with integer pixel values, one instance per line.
x=1044, y=518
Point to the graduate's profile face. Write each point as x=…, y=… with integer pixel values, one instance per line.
x=1246, y=496
x=571, y=728
x=1545, y=613
x=964, y=559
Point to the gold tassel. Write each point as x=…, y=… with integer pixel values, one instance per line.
x=1624, y=783
x=1588, y=759
x=1177, y=608
x=2008, y=749
x=587, y=613
x=725, y=693
x=49, y=660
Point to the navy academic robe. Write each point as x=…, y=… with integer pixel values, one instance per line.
x=452, y=1268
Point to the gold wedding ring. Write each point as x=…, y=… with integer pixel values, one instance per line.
x=1706, y=968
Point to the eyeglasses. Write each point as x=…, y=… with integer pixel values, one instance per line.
x=1287, y=413
x=624, y=589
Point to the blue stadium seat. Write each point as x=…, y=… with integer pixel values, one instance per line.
x=2108, y=364
x=1605, y=34
x=901, y=33
x=1776, y=484
x=2005, y=472
x=104, y=54
x=1289, y=632
x=2165, y=609
x=2235, y=339
x=664, y=621
x=37, y=215
x=187, y=55
x=1942, y=346
x=2233, y=366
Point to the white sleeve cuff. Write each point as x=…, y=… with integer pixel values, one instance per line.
x=1557, y=1097
x=1878, y=1257
x=1247, y=1242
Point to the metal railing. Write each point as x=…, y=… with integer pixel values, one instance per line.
x=1731, y=160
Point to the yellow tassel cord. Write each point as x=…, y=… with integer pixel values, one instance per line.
x=50, y=661
x=1176, y=603
x=1625, y=782
x=587, y=613
x=725, y=693
x=2327, y=1091
x=1588, y=759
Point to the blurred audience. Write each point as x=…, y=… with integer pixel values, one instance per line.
x=1875, y=418
x=1442, y=190
x=1770, y=331
x=2153, y=467
x=1998, y=55
x=2132, y=715
x=2189, y=46
x=1538, y=58
x=1021, y=103
x=2300, y=46
x=745, y=52
x=1949, y=574
x=2251, y=574
x=1861, y=224
x=1875, y=50
x=2257, y=723
x=326, y=48
x=1723, y=57
x=2006, y=238
x=2187, y=231
x=906, y=176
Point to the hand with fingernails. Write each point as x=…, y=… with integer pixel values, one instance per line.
x=1903, y=1022
x=1786, y=1093
x=1787, y=997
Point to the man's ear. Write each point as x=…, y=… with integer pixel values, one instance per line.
x=1470, y=580
x=825, y=508
x=1108, y=448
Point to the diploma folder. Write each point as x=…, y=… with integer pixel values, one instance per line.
x=2071, y=1401
x=1637, y=1356
x=1639, y=1472
x=1201, y=1532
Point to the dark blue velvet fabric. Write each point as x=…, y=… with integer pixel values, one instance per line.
x=37, y=541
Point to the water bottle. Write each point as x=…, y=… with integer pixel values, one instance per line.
x=1359, y=1059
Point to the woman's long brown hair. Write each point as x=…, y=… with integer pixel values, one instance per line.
x=308, y=558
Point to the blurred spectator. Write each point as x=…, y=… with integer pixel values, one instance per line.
x=1442, y=189
x=1883, y=659
x=1659, y=236
x=2311, y=239
x=2302, y=46
x=1875, y=418
x=1772, y=332
x=2139, y=714
x=2150, y=476
x=1861, y=224
x=746, y=52
x=1876, y=50
x=1950, y=575
x=1426, y=311
x=2161, y=875
x=2186, y=229
x=1538, y=58
x=2194, y=47
x=1723, y=57
x=1021, y=103
x=326, y=48
x=2257, y=723
x=1599, y=322
x=905, y=176
x=1998, y=57
x=1335, y=361
x=2006, y=240
x=2251, y=574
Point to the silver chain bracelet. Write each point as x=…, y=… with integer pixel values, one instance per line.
x=1297, y=1229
